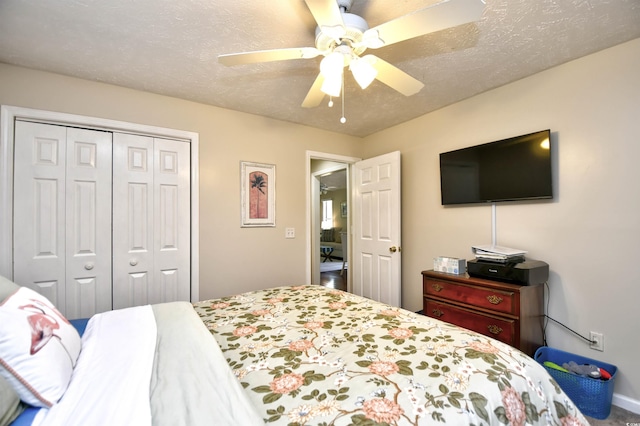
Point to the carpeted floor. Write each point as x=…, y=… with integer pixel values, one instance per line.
x=618, y=416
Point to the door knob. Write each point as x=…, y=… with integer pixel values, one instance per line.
x=88, y=266
x=394, y=249
x=133, y=262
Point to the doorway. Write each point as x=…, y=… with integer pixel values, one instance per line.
x=373, y=224
x=333, y=264
x=328, y=249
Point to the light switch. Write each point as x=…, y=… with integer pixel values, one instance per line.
x=290, y=233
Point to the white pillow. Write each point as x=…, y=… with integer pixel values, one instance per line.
x=38, y=348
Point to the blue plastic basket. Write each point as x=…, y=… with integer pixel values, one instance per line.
x=591, y=396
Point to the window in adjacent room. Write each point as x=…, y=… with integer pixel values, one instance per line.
x=327, y=214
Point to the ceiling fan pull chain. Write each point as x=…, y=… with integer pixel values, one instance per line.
x=343, y=119
x=330, y=104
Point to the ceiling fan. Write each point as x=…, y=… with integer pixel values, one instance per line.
x=342, y=38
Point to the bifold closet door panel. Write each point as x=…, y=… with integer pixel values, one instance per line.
x=151, y=220
x=88, y=222
x=62, y=215
x=133, y=280
x=172, y=220
x=38, y=210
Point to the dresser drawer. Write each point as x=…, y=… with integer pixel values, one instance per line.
x=499, y=328
x=496, y=300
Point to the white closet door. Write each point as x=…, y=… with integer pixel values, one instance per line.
x=88, y=222
x=132, y=220
x=172, y=219
x=151, y=221
x=62, y=216
x=39, y=210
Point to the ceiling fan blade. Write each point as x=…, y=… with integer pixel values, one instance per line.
x=327, y=15
x=315, y=95
x=394, y=77
x=268, y=56
x=446, y=14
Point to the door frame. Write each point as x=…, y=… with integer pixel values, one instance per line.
x=316, y=207
x=8, y=115
x=312, y=193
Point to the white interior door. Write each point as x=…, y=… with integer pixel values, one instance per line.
x=151, y=218
x=88, y=222
x=39, y=210
x=62, y=216
x=376, y=245
x=132, y=220
x=172, y=221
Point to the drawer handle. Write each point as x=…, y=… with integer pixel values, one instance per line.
x=437, y=313
x=494, y=329
x=436, y=286
x=494, y=299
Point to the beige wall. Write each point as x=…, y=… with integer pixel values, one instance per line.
x=589, y=234
x=232, y=259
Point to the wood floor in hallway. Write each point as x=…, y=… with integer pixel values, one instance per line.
x=333, y=279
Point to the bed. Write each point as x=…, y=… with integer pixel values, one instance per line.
x=301, y=355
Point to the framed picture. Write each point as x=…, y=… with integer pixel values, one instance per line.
x=258, y=198
x=343, y=209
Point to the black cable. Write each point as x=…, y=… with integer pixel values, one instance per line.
x=546, y=309
x=574, y=332
x=544, y=327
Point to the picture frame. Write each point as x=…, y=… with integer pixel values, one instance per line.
x=258, y=194
x=343, y=209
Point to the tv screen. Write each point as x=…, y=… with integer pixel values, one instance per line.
x=513, y=169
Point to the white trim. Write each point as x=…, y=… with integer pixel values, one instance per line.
x=8, y=115
x=626, y=403
x=6, y=192
x=315, y=155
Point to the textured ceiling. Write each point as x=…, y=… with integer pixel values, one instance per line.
x=170, y=47
x=334, y=180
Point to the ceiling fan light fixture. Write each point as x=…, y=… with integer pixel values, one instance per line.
x=332, y=64
x=332, y=67
x=332, y=86
x=363, y=71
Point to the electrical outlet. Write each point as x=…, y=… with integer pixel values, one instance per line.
x=598, y=338
x=290, y=233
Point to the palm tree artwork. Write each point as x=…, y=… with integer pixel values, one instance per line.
x=258, y=206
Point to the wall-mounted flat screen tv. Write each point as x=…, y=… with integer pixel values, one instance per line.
x=513, y=169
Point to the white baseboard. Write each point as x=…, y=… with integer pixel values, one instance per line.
x=625, y=402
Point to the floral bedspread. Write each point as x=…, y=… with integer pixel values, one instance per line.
x=309, y=355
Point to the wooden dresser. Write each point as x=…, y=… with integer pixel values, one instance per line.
x=510, y=313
